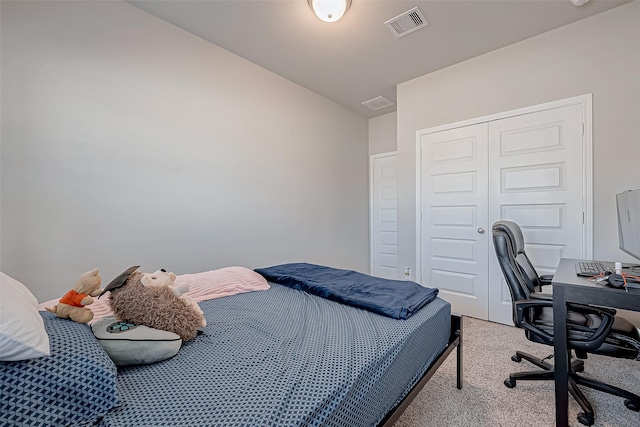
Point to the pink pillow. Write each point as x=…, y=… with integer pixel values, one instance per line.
x=222, y=283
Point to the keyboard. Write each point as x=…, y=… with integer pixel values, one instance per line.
x=589, y=269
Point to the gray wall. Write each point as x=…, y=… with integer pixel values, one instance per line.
x=126, y=140
x=598, y=55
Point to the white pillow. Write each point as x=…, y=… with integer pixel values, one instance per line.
x=22, y=333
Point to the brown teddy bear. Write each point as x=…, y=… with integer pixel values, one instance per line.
x=156, y=305
x=72, y=304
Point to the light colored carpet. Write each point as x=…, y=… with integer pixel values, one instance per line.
x=485, y=401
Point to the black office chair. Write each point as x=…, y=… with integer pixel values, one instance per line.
x=589, y=329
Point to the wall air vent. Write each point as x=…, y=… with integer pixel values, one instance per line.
x=377, y=103
x=407, y=22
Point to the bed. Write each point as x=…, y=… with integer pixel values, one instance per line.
x=275, y=357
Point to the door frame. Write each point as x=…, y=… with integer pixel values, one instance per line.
x=585, y=101
x=372, y=158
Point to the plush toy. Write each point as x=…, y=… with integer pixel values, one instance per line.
x=72, y=304
x=162, y=278
x=154, y=305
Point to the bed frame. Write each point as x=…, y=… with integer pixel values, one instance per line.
x=455, y=341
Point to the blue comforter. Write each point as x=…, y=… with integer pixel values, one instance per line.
x=398, y=299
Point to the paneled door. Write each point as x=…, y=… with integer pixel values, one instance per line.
x=531, y=167
x=535, y=180
x=384, y=215
x=453, y=240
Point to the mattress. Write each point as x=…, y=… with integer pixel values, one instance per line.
x=282, y=357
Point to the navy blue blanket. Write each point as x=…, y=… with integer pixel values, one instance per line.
x=398, y=299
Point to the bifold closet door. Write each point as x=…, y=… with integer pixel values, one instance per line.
x=526, y=168
x=453, y=206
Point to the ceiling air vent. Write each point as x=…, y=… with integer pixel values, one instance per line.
x=377, y=103
x=407, y=22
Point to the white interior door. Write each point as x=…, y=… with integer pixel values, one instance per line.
x=384, y=216
x=536, y=180
x=453, y=207
x=531, y=166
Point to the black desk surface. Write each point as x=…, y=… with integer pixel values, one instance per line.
x=599, y=293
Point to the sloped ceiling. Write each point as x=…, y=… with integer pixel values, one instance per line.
x=358, y=58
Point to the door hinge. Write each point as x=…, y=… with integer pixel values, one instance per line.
x=582, y=129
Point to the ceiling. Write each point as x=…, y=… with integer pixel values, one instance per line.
x=358, y=58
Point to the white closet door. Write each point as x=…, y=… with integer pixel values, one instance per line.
x=535, y=163
x=384, y=216
x=453, y=205
x=531, y=166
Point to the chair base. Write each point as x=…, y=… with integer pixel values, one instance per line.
x=632, y=401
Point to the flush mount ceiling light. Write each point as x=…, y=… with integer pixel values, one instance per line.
x=329, y=10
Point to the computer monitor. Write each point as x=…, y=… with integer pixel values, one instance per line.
x=628, y=204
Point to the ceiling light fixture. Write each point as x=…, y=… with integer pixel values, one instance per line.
x=329, y=10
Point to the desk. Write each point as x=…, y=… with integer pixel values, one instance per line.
x=568, y=287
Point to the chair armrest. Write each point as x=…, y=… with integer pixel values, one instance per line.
x=526, y=304
x=592, y=339
x=596, y=337
x=546, y=279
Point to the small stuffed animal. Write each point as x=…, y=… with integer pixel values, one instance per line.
x=155, y=306
x=72, y=304
x=162, y=278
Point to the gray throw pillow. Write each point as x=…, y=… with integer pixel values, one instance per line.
x=129, y=344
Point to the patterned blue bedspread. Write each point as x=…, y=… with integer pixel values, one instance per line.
x=282, y=357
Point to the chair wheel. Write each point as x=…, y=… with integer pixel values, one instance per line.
x=510, y=383
x=632, y=405
x=585, y=419
x=580, y=368
x=516, y=358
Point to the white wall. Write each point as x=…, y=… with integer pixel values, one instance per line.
x=126, y=140
x=383, y=133
x=598, y=55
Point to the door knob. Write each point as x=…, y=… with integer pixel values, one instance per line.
x=481, y=230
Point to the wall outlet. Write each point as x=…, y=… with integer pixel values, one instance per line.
x=407, y=272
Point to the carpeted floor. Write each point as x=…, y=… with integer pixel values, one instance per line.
x=485, y=401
